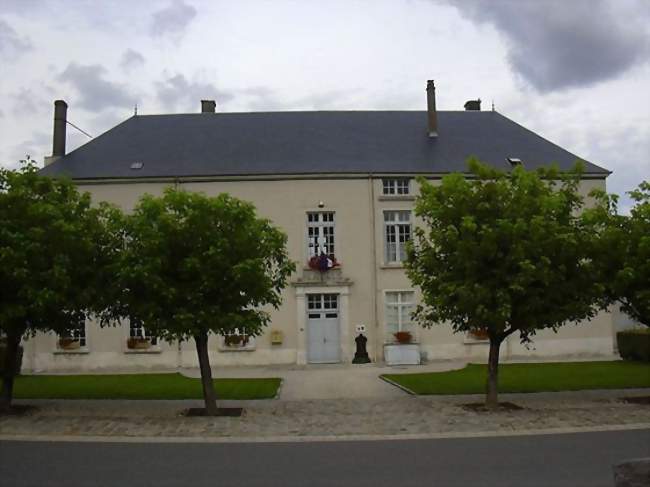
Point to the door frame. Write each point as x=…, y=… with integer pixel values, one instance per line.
x=323, y=311
x=345, y=348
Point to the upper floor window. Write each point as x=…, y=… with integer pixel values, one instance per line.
x=396, y=187
x=320, y=233
x=397, y=231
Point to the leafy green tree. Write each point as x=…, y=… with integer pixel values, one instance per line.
x=621, y=250
x=54, y=248
x=194, y=265
x=502, y=253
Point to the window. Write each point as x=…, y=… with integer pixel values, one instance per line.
x=320, y=233
x=397, y=231
x=239, y=339
x=399, y=306
x=322, y=305
x=137, y=332
x=74, y=337
x=396, y=187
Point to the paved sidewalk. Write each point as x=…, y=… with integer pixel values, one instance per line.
x=331, y=381
x=394, y=416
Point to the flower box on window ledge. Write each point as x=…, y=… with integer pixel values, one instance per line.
x=67, y=343
x=138, y=343
x=477, y=336
x=323, y=262
x=237, y=341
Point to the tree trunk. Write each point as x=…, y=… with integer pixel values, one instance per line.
x=11, y=357
x=209, y=396
x=492, y=396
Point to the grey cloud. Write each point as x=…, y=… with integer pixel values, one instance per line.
x=131, y=59
x=559, y=44
x=178, y=92
x=26, y=102
x=172, y=20
x=37, y=146
x=11, y=44
x=96, y=93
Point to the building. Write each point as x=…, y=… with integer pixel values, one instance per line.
x=340, y=181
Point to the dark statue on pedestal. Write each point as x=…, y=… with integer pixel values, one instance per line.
x=361, y=355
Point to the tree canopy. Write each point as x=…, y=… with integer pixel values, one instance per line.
x=53, y=249
x=502, y=253
x=194, y=265
x=621, y=250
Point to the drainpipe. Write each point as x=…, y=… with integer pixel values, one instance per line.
x=375, y=284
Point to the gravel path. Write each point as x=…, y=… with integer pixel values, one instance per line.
x=400, y=415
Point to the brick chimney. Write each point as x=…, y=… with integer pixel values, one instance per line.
x=431, y=109
x=208, y=106
x=473, y=105
x=58, y=138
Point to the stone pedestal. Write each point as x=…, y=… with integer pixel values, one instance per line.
x=402, y=354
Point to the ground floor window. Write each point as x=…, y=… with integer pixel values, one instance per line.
x=73, y=338
x=140, y=337
x=399, y=307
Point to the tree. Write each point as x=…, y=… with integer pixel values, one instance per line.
x=53, y=250
x=622, y=250
x=502, y=253
x=194, y=265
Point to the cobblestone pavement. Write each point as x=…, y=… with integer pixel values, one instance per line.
x=329, y=417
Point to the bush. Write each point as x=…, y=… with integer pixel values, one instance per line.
x=19, y=358
x=634, y=344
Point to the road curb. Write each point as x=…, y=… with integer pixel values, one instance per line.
x=321, y=438
x=399, y=386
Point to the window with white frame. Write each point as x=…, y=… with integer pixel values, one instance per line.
x=399, y=307
x=396, y=187
x=322, y=305
x=320, y=233
x=137, y=331
x=397, y=231
x=74, y=337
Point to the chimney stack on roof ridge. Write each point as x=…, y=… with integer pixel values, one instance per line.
x=431, y=109
x=208, y=106
x=58, y=137
x=473, y=105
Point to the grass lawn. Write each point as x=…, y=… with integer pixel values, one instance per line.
x=138, y=386
x=572, y=376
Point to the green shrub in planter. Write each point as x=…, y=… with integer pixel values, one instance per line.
x=634, y=344
x=19, y=358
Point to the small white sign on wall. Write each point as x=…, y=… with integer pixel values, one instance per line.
x=361, y=328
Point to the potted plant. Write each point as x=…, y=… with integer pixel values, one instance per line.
x=480, y=334
x=403, y=337
x=138, y=343
x=323, y=262
x=69, y=343
x=236, y=340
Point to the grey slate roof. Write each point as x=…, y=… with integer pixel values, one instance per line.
x=277, y=143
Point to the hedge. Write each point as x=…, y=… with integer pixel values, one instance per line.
x=634, y=344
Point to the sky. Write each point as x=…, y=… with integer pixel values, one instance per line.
x=577, y=72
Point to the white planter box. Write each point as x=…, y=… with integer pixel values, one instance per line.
x=402, y=354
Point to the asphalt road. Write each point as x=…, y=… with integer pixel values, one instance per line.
x=572, y=460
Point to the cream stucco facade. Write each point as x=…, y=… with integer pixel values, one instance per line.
x=361, y=285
